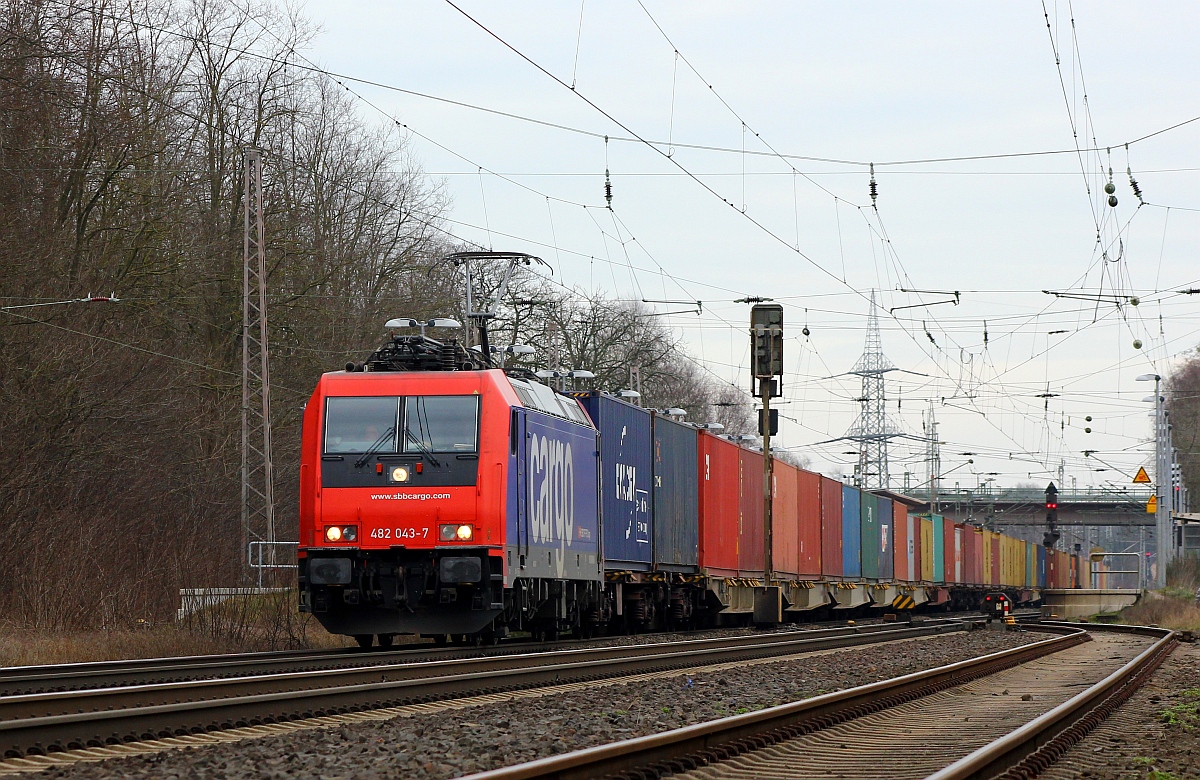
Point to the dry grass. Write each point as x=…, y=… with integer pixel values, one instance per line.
x=26, y=648
x=269, y=622
x=1156, y=609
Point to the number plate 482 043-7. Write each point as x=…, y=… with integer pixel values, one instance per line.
x=400, y=533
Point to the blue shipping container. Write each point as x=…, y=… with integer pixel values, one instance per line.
x=676, y=496
x=939, y=549
x=1041, y=566
x=869, y=555
x=851, y=532
x=625, y=480
x=554, y=514
x=887, y=554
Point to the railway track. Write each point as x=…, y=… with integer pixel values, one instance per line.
x=1002, y=715
x=59, y=678
x=35, y=724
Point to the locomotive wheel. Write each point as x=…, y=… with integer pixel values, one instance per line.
x=385, y=640
x=364, y=640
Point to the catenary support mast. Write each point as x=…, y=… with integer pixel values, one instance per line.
x=258, y=494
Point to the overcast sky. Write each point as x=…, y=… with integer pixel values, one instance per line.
x=849, y=84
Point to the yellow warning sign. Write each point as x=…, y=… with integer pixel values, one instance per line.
x=1141, y=478
x=1152, y=505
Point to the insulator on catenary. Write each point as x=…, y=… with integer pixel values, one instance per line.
x=607, y=188
x=1137, y=191
x=874, y=187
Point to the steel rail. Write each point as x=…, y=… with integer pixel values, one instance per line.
x=147, y=694
x=1024, y=752
x=692, y=746
x=58, y=678
x=40, y=723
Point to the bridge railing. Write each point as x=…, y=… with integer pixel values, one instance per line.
x=987, y=494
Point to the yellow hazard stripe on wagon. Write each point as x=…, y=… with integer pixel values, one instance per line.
x=904, y=602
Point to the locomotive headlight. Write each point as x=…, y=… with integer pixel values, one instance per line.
x=456, y=532
x=341, y=533
x=399, y=474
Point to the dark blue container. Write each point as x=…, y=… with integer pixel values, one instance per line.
x=676, y=496
x=626, y=477
x=554, y=503
x=887, y=553
x=1041, y=566
x=851, y=532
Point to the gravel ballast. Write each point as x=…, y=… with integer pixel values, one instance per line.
x=457, y=742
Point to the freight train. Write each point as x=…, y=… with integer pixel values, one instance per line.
x=445, y=497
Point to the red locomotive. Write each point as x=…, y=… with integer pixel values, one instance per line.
x=424, y=492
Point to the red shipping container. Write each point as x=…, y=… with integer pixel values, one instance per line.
x=719, y=468
x=810, y=524
x=750, y=527
x=995, y=541
x=785, y=521
x=831, y=527
x=949, y=559
x=968, y=556
x=904, y=549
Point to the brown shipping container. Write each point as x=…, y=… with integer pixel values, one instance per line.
x=719, y=466
x=903, y=551
x=810, y=524
x=750, y=528
x=831, y=527
x=785, y=521
x=948, y=556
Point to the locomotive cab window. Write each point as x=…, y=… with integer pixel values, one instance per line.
x=441, y=423
x=360, y=424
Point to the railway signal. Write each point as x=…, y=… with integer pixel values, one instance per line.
x=766, y=343
x=1051, y=536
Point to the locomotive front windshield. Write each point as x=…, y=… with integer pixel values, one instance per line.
x=430, y=424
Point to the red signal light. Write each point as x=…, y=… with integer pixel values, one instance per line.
x=1051, y=505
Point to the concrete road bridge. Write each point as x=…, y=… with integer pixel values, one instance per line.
x=1026, y=507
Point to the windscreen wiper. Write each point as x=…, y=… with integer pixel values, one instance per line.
x=382, y=440
x=421, y=446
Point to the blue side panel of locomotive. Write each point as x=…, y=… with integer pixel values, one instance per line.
x=625, y=483
x=554, y=504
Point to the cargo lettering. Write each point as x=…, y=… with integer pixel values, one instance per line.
x=551, y=491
